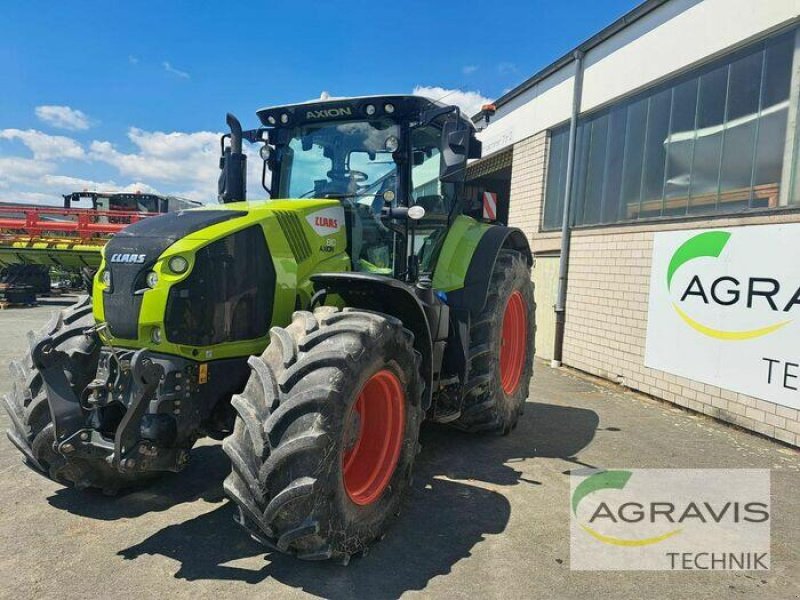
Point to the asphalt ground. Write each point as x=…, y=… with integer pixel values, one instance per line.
x=487, y=516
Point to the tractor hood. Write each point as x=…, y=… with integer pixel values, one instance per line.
x=204, y=282
x=131, y=254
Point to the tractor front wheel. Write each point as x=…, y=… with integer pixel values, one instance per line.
x=326, y=433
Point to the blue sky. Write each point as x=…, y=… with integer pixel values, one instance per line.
x=132, y=95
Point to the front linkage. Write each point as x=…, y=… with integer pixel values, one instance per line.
x=105, y=417
x=129, y=378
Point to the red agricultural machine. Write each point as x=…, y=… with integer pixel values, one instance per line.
x=35, y=238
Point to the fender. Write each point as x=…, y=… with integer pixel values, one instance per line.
x=477, y=278
x=383, y=294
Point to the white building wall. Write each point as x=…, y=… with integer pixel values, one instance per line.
x=673, y=37
x=610, y=267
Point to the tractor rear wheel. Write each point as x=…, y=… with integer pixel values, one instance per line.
x=326, y=433
x=501, y=350
x=32, y=431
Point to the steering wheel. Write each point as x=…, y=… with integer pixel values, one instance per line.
x=357, y=176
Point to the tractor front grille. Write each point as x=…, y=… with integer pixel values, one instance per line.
x=228, y=295
x=146, y=240
x=293, y=230
x=122, y=304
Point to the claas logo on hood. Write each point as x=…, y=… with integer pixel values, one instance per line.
x=136, y=259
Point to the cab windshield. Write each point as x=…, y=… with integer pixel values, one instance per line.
x=341, y=160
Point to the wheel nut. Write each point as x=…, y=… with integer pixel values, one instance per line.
x=85, y=435
x=67, y=448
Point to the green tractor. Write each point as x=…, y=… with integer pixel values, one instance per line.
x=312, y=335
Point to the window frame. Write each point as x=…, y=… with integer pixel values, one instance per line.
x=694, y=72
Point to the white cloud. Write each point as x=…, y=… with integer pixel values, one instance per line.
x=15, y=169
x=177, y=72
x=23, y=179
x=182, y=164
x=469, y=69
x=469, y=101
x=169, y=163
x=63, y=117
x=45, y=146
x=180, y=158
x=65, y=182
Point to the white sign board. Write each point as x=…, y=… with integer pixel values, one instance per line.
x=725, y=309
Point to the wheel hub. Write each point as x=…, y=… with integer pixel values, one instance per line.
x=373, y=438
x=513, y=343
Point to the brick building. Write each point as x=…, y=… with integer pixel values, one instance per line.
x=685, y=123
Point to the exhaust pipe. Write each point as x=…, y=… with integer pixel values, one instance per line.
x=236, y=133
x=232, y=186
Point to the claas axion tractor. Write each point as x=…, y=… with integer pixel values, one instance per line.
x=312, y=332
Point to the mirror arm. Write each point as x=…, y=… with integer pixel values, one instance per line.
x=264, y=178
x=255, y=136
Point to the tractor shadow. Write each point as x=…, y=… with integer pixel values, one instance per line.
x=202, y=479
x=451, y=508
x=544, y=431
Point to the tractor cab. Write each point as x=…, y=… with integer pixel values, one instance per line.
x=396, y=163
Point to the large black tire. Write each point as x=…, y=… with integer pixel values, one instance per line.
x=487, y=406
x=32, y=430
x=290, y=438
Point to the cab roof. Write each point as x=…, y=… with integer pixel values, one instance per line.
x=397, y=107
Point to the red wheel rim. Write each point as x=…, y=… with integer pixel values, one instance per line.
x=513, y=343
x=373, y=437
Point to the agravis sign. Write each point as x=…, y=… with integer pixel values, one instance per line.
x=725, y=309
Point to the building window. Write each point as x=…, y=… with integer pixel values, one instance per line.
x=708, y=142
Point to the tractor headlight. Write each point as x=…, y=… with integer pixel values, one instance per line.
x=155, y=335
x=285, y=118
x=152, y=279
x=271, y=120
x=369, y=109
x=264, y=152
x=177, y=264
x=389, y=108
x=105, y=277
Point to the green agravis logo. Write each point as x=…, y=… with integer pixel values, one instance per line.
x=710, y=245
x=611, y=480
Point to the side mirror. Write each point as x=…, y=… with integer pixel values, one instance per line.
x=455, y=142
x=458, y=141
x=232, y=184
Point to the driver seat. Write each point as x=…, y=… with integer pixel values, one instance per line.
x=432, y=203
